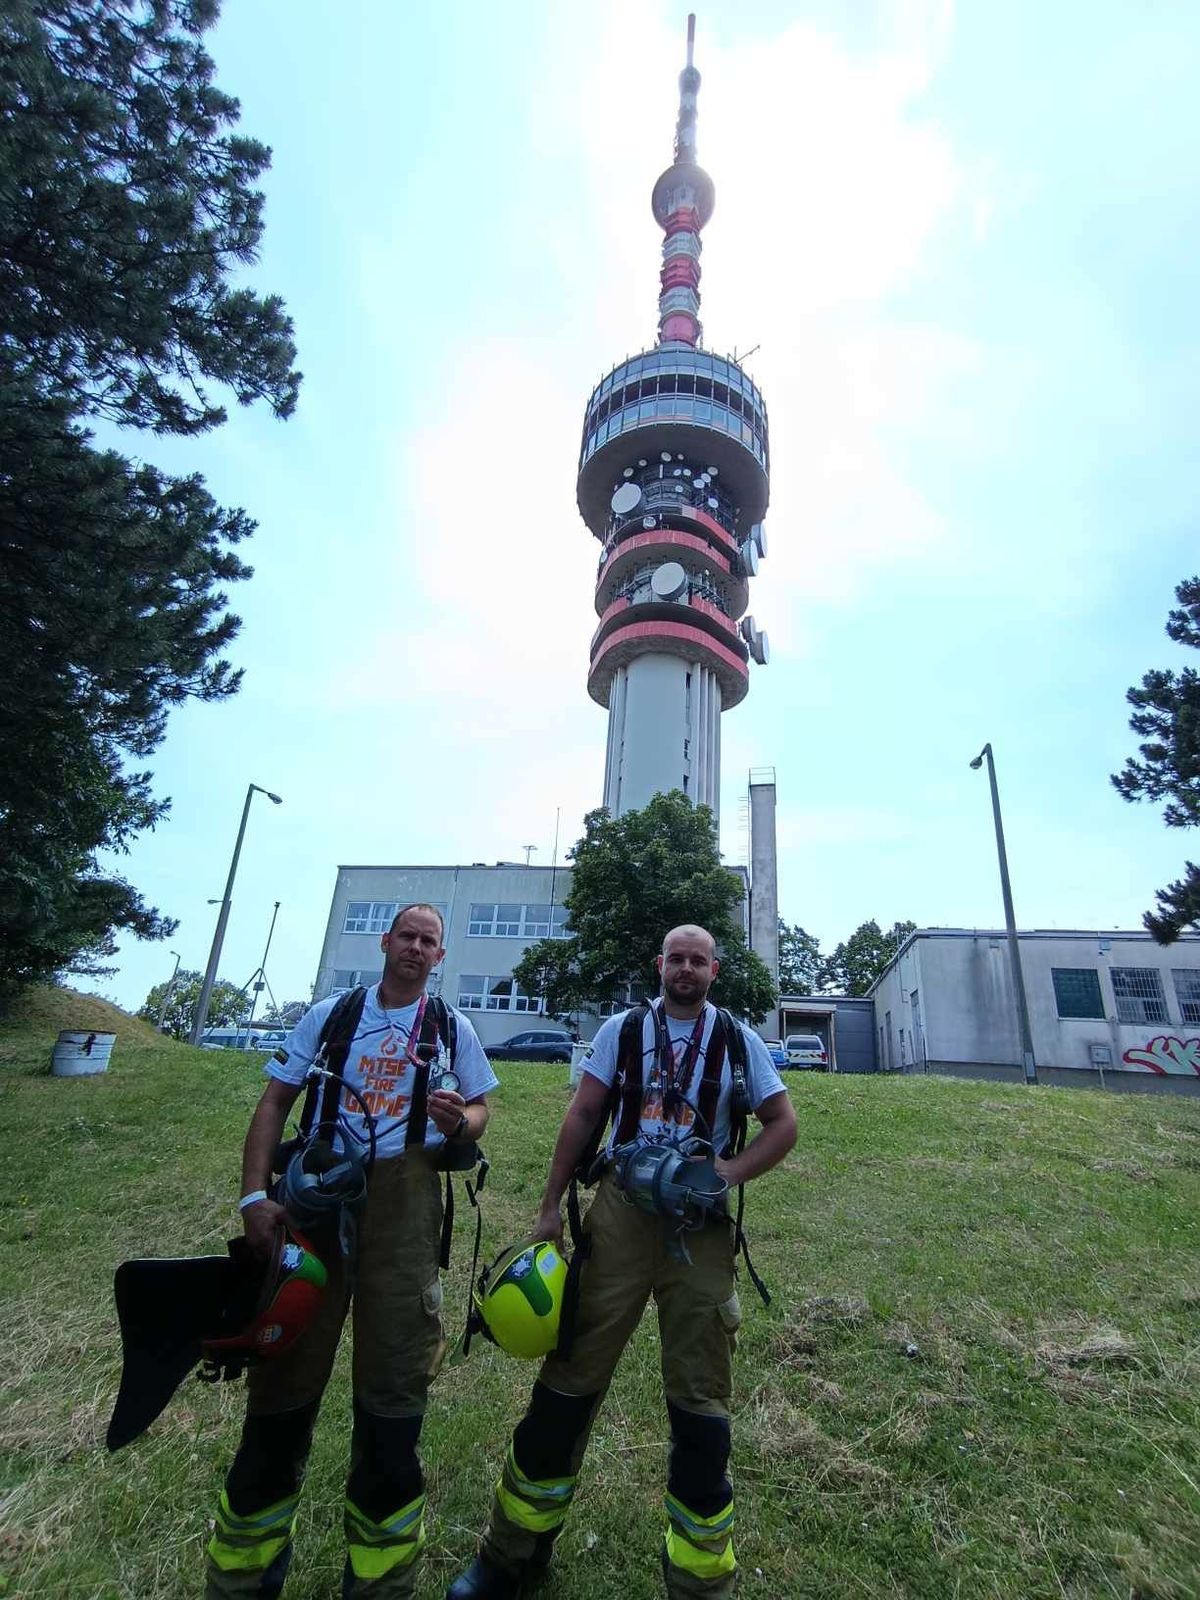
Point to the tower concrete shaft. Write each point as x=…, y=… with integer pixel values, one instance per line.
x=674, y=482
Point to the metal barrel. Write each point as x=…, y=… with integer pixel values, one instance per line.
x=79, y=1055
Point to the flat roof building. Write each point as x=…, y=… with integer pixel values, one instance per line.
x=1113, y=1008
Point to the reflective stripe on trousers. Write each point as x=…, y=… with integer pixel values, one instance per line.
x=699, y=1547
x=376, y=1549
x=242, y=1549
x=535, y=1506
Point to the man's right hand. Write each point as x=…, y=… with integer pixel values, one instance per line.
x=549, y=1227
x=259, y=1222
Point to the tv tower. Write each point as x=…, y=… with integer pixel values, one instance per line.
x=674, y=481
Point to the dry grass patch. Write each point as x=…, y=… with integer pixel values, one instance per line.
x=773, y=1426
x=1071, y=1346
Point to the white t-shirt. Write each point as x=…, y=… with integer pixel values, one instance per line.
x=378, y=1067
x=762, y=1080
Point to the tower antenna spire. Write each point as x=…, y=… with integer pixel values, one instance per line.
x=682, y=204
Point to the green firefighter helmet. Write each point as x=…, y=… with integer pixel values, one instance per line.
x=519, y=1298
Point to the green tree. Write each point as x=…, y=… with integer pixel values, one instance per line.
x=857, y=961
x=1167, y=716
x=634, y=878
x=285, y=1016
x=128, y=210
x=802, y=968
x=228, y=1004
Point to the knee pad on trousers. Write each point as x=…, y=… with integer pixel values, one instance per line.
x=270, y=1460
x=545, y=1439
x=387, y=1472
x=699, y=1457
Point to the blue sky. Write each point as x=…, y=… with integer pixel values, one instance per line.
x=964, y=240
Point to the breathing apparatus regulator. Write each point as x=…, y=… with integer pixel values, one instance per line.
x=325, y=1168
x=517, y=1303
x=672, y=1178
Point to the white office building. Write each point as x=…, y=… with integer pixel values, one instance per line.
x=491, y=914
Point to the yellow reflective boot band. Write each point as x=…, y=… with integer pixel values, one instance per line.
x=375, y=1548
x=688, y=1557
x=700, y=1529
x=248, y=1544
x=522, y=1513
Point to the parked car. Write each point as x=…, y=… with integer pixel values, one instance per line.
x=538, y=1044
x=776, y=1052
x=271, y=1039
x=806, y=1051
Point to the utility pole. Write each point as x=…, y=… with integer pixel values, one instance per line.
x=1028, y=1063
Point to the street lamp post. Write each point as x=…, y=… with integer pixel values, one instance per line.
x=214, y=955
x=162, y=1010
x=1010, y=922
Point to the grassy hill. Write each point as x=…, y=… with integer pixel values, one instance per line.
x=980, y=1375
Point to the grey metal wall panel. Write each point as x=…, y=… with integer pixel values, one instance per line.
x=856, y=1037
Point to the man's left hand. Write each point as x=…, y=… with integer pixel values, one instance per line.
x=446, y=1110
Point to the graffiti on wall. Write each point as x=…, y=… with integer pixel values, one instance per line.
x=1166, y=1055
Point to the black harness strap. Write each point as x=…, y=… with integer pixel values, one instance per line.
x=739, y=1113
x=434, y=1026
x=622, y=1108
x=628, y=1084
x=336, y=1036
x=710, y=1082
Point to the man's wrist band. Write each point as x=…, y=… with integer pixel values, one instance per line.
x=251, y=1199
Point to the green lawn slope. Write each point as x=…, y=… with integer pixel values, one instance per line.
x=979, y=1376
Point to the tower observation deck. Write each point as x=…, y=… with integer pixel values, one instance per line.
x=673, y=481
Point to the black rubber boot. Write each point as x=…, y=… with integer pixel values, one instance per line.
x=483, y=1580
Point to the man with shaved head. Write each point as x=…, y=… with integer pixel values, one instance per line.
x=668, y=1074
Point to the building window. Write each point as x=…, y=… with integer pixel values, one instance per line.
x=1187, y=992
x=345, y=979
x=518, y=922
x=1139, y=994
x=471, y=988
x=369, y=916
x=477, y=992
x=1077, y=991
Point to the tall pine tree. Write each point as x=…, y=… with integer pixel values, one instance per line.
x=127, y=207
x=1166, y=713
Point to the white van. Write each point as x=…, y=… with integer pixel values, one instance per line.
x=806, y=1050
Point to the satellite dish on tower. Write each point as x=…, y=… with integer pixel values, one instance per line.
x=649, y=522
x=668, y=581
x=763, y=653
x=749, y=555
x=626, y=500
x=759, y=535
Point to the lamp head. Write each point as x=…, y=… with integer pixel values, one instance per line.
x=277, y=798
x=976, y=764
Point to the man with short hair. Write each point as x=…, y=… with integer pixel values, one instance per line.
x=663, y=1070
x=392, y=1278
